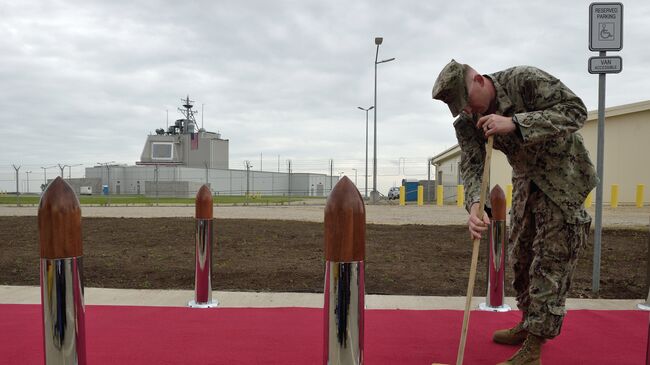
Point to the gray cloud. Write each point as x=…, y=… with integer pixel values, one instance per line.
x=85, y=81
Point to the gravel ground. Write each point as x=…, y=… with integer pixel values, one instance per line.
x=621, y=217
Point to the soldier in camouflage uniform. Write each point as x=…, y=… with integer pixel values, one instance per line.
x=534, y=119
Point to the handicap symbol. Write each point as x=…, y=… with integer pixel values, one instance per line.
x=605, y=34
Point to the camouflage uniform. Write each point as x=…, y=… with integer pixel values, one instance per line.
x=552, y=175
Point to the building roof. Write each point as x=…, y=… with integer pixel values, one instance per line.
x=446, y=154
x=620, y=110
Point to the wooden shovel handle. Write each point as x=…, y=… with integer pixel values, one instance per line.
x=475, y=247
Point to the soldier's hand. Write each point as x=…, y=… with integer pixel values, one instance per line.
x=476, y=225
x=496, y=124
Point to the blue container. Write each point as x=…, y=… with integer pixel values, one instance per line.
x=411, y=188
x=105, y=189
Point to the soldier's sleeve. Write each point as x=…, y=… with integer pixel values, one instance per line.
x=472, y=158
x=555, y=110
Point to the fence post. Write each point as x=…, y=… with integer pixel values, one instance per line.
x=614, y=201
x=508, y=195
x=345, y=241
x=496, y=254
x=62, y=292
x=639, y=195
x=440, y=197
x=203, y=237
x=589, y=199
x=420, y=195
x=460, y=197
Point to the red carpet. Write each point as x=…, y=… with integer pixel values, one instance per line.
x=168, y=335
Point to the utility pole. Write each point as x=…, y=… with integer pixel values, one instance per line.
x=366, y=110
x=27, y=181
x=45, y=174
x=206, y=171
x=331, y=173
x=70, y=169
x=248, y=169
x=155, y=176
x=108, y=178
x=17, y=189
x=260, y=161
x=289, y=182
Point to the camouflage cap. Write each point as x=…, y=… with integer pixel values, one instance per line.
x=450, y=87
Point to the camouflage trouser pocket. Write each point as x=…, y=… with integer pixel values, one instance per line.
x=545, y=320
x=557, y=310
x=545, y=257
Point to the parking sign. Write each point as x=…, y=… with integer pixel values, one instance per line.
x=606, y=26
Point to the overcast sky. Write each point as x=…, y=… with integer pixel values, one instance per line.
x=86, y=81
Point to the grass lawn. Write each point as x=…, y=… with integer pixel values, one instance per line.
x=143, y=200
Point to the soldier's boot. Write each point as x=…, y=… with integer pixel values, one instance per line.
x=511, y=336
x=530, y=352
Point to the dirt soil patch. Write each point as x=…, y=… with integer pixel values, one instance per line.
x=287, y=256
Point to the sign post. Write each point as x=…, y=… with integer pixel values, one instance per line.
x=605, y=34
x=605, y=65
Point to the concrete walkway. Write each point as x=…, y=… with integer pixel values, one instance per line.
x=627, y=216
x=179, y=298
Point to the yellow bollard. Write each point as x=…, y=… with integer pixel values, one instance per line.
x=460, y=198
x=639, y=195
x=420, y=195
x=508, y=195
x=589, y=199
x=440, y=197
x=614, y=202
x=402, y=195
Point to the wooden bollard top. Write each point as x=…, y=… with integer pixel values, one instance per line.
x=345, y=224
x=498, y=201
x=59, y=222
x=204, y=203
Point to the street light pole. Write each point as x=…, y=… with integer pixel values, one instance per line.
x=17, y=168
x=27, y=181
x=375, y=193
x=70, y=169
x=45, y=174
x=108, y=178
x=355, y=177
x=366, y=110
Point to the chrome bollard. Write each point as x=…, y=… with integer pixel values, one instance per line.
x=497, y=254
x=645, y=306
x=61, y=275
x=647, y=351
x=345, y=239
x=204, y=236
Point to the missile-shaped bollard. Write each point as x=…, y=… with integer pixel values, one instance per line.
x=203, y=237
x=345, y=242
x=62, y=287
x=496, y=254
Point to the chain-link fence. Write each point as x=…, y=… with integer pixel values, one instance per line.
x=277, y=177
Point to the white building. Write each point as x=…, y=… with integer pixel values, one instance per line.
x=625, y=158
x=178, y=161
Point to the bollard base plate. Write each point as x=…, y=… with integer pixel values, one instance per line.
x=501, y=308
x=643, y=306
x=211, y=304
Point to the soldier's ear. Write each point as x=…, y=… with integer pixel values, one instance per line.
x=479, y=79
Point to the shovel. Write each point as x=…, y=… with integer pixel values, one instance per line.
x=476, y=243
